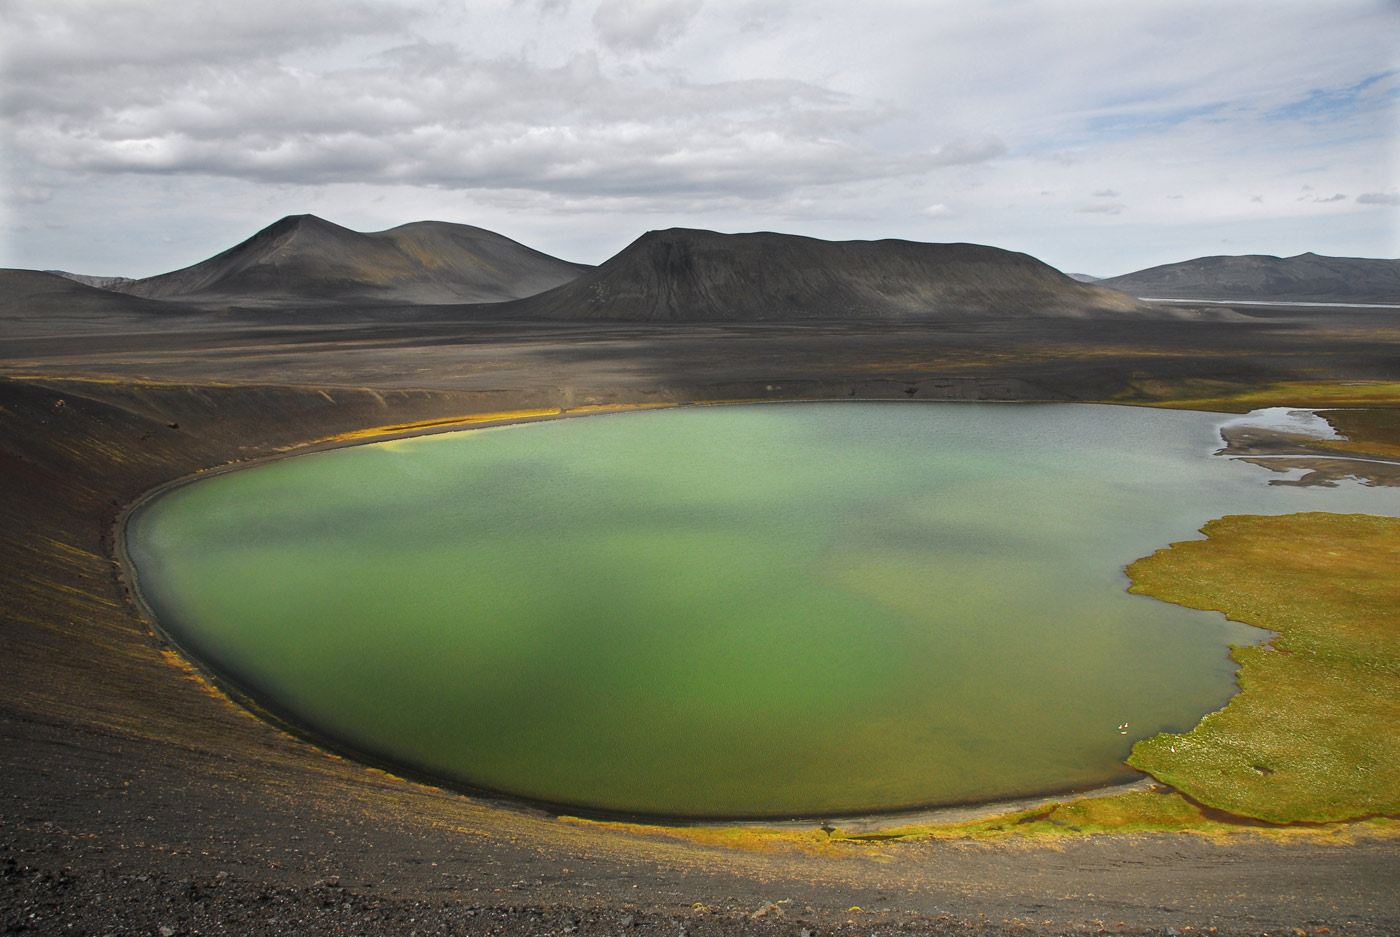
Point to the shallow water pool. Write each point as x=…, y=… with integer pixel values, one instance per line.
x=747, y=611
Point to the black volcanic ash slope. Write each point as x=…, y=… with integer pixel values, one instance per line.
x=36, y=302
x=1261, y=277
x=688, y=275
x=304, y=259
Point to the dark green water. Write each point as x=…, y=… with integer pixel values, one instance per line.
x=796, y=609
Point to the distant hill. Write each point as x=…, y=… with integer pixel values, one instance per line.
x=303, y=259
x=688, y=275
x=102, y=283
x=36, y=302
x=1260, y=277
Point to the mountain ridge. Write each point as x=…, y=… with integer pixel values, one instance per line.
x=686, y=274
x=1306, y=277
x=305, y=259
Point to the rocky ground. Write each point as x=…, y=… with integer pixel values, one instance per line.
x=134, y=799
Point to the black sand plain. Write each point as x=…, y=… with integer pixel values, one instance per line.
x=136, y=799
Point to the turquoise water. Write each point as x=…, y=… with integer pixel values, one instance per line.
x=774, y=610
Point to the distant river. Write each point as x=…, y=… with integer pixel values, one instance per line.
x=749, y=611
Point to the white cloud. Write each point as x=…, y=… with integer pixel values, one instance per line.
x=1101, y=208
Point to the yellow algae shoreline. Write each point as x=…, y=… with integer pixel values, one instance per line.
x=447, y=424
x=1232, y=397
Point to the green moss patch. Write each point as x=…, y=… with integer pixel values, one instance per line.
x=1314, y=734
x=1374, y=431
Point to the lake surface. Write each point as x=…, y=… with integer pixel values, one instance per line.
x=758, y=611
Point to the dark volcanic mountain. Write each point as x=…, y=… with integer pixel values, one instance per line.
x=38, y=302
x=304, y=259
x=688, y=275
x=1260, y=277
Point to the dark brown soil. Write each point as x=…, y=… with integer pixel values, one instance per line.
x=133, y=799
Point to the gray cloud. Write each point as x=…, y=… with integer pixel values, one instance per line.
x=757, y=15
x=963, y=152
x=640, y=25
x=1101, y=208
x=29, y=195
x=480, y=125
x=425, y=113
x=1379, y=198
x=48, y=39
x=1105, y=193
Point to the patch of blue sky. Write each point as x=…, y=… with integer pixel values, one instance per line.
x=1109, y=127
x=1128, y=124
x=1365, y=110
x=1373, y=93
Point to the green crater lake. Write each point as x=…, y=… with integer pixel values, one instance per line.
x=749, y=611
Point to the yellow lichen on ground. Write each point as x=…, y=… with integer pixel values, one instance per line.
x=475, y=419
x=1198, y=394
x=613, y=407
x=1314, y=734
x=469, y=419
x=1373, y=431
x=1162, y=810
x=747, y=838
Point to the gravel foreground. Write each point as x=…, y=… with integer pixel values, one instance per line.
x=43, y=898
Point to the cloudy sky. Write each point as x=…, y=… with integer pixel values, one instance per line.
x=1103, y=137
